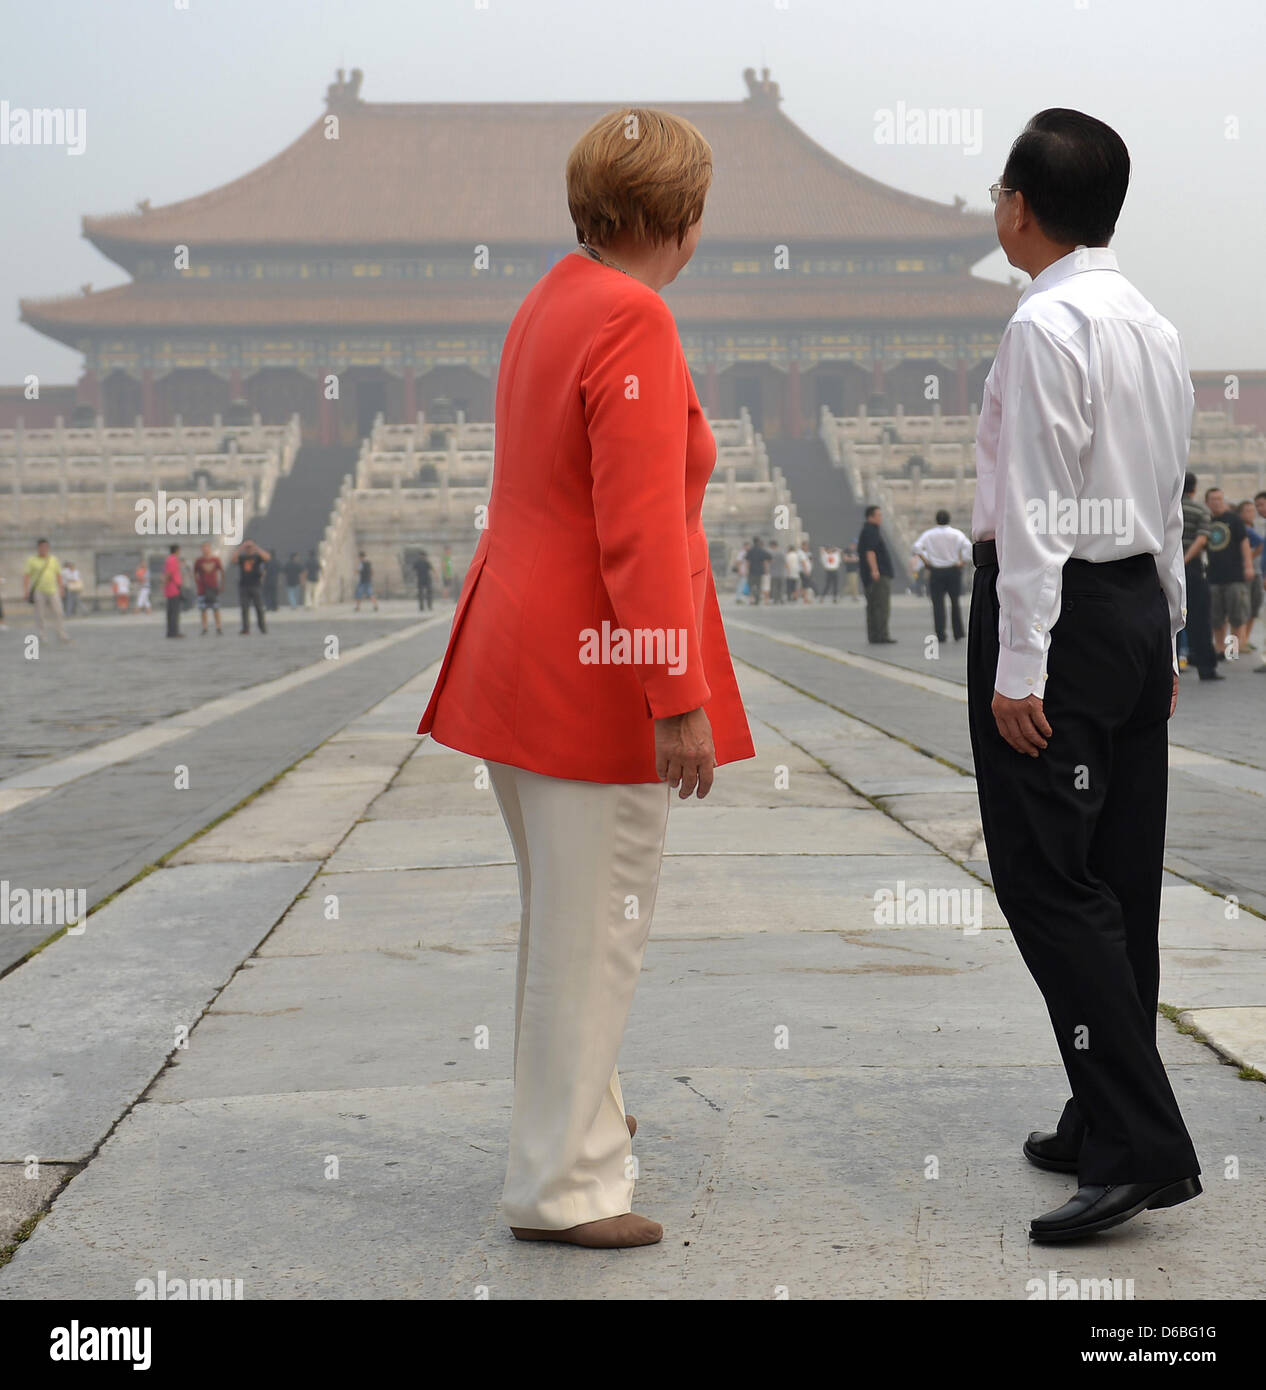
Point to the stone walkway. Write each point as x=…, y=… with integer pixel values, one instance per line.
x=831, y=1096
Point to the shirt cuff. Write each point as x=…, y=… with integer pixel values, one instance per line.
x=1020, y=674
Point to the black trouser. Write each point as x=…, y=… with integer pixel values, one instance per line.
x=174, y=606
x=942, y=584
x=424, y=595
x=1200, y=652
x=878, y=607
x=1076, y=840
x=831, y=586
x=250, y=595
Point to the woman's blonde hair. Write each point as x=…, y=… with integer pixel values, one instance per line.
x=639, y=171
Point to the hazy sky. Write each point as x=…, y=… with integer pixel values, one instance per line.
x=180, y=98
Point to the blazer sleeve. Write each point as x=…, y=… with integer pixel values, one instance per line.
x=636, y=403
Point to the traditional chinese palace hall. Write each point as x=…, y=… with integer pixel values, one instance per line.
x=391, y=243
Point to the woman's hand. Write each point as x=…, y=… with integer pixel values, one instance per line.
x=684, y=755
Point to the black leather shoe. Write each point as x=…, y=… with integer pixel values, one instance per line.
x=1046, y=1151
x=1095, y=1208
x=1213, y=675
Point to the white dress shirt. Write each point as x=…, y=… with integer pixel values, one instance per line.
x=1080, y=450
x=943, y=547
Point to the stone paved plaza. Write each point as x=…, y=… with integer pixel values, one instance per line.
x=284, y=1055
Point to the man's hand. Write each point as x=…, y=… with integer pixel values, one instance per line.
x=1021, y=723
x=684, y=755
x=1173, y=699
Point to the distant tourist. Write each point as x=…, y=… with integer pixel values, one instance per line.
x=1256, y=550
x=740, y=568
x=74, y=587
x=271, y=576
x=1259, y=504
x=173, y=582
x=777, y=572
x=1230, y=573
x=943, y=550
x=143, y=604
x=807, y=590
x=311, y=573
x=423, y=568
x=365, y=583
x=1197, y=523
x=446, y=570
x=42, y=585
x=876, y=569
x=832, y=558
x=208, y=578
x=757, y=569
x=121, y=588
x=250, y=561
x=791, y=582
x=294, y=580
x=850, y=573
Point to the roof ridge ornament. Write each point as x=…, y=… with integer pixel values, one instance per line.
x=344, y=92
x=760, y=89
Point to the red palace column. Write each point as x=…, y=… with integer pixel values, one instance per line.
x=235, y=384
x=88, y=391
x=793, y=419
x=149, y=410
x=410, y=395
x=711, y=391
x=325, y=407
x=960, y=403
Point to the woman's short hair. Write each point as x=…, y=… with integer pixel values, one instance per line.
x=638, y=171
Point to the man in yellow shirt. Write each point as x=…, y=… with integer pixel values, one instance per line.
x=42, y=582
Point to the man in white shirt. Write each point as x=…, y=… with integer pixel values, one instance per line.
x=1079, y=591
x=944, y=551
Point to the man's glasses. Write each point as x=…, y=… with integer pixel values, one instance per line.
x=996, y=190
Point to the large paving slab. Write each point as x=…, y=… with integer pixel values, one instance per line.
x=407, y=1014
x=847, y=1183
x=1240, y=1034
x=87, y=1023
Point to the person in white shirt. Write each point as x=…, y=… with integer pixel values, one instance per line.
x=944, y=550
x=1080, y=457
x=121, y=586
x=792, y=579
x=832, y=558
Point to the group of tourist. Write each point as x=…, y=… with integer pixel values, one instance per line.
x=1224, y=554
x=55, y=588
x=775, y=575
x=1224, y=549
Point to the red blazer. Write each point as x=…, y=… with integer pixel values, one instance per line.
x=589, y=609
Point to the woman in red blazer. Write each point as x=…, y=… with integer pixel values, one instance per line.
x=587, y=665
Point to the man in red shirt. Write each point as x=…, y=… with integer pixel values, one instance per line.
x=208, y=574
x=172, y=575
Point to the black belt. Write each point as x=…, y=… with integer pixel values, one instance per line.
x=984, y=553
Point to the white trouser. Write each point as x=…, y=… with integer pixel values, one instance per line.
x=588, y=855
x=48, y=609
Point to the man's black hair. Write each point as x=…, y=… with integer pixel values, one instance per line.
x=942, y=517
x=871, y=510
x=1189, y=484
x=1073, y=171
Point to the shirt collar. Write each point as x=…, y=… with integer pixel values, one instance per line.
x=1082, y=259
